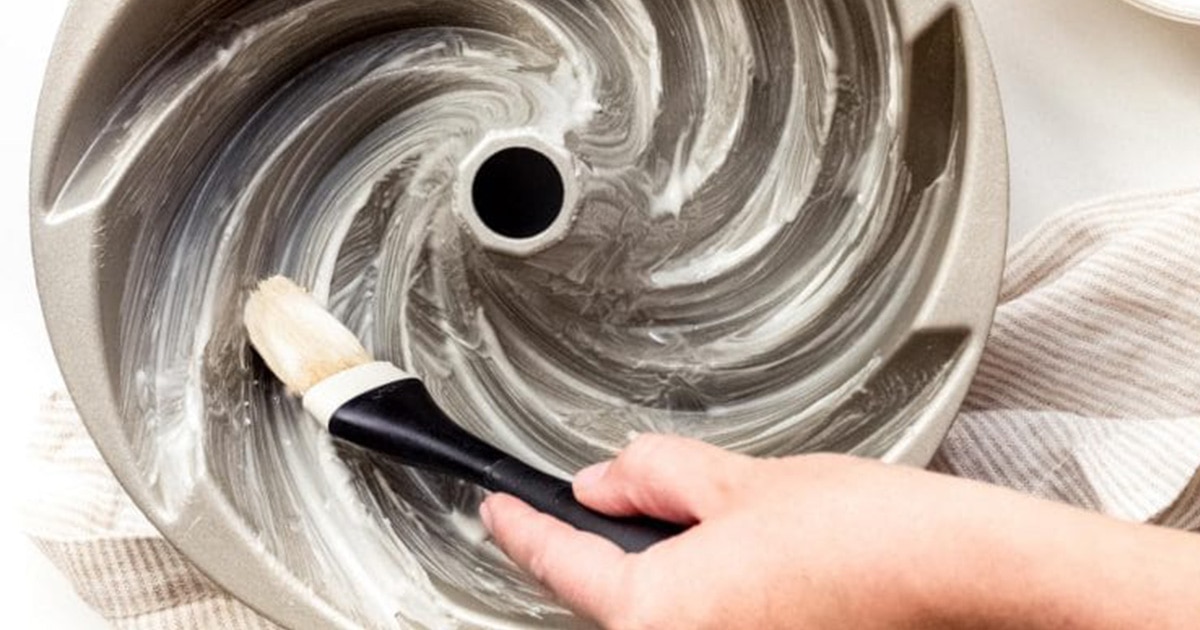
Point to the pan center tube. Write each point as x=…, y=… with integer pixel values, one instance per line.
x=517, y=194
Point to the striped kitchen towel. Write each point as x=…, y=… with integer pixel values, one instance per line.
x=1088, y=393
x=90, y=529
x=1089, y=390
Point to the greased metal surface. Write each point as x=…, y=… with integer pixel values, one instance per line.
x=767, y=202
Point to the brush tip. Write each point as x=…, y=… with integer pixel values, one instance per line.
x=297, y=337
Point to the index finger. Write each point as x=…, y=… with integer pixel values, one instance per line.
x=583, y=570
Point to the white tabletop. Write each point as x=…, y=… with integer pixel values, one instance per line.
x=36, y=595
x=1100, y=98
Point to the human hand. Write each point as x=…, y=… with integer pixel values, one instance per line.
x=830, y=542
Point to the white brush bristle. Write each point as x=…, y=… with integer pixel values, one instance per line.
x=300, y=341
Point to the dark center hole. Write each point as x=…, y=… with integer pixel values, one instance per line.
x=518, y=193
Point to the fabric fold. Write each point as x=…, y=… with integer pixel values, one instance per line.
x=1089, y=389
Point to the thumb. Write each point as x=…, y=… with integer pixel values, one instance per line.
x=671, y=478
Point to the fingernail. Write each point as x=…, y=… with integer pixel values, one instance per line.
x=485, y=514
x=592, y=474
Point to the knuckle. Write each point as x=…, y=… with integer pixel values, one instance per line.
x=825, y=464
x=826, y=460
x=633, y=610
x=545, y=548
x=641, y=452
x=726, y=489
x=519, y=538
x=539, y=565
x=633, y=620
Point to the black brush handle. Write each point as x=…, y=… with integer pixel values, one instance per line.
x=554, y=496
x=402, y=420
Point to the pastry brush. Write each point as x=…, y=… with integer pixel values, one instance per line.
x=380, y=407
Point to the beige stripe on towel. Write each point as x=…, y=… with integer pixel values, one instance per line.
x=1089, y=393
